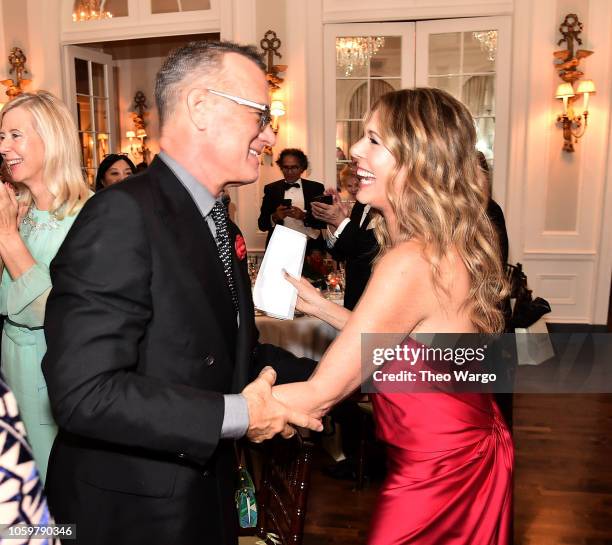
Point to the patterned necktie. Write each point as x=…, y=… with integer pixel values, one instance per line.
x=224, y=248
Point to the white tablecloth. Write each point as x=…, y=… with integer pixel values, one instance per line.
x=304, y=336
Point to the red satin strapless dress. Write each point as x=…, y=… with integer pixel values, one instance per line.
x=449, y=482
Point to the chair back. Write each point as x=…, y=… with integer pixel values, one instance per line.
x=283, y=492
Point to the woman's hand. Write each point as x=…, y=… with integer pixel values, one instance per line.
x=309, y=299
x=9, y=210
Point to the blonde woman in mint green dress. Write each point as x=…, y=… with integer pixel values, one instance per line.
x=40, y=149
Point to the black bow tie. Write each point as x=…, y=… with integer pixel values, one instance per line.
x=289, y=185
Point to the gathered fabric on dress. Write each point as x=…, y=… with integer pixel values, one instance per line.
x=449, y=477
x=23, y=302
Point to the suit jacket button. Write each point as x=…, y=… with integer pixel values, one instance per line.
x=209, y=360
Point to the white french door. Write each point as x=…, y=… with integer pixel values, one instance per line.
x=470, y=58
x=90, y=95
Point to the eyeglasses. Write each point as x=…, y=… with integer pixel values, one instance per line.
x=265, y=116
x=290, y=167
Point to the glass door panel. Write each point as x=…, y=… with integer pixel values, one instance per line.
x=89, y=80
x=362, y=62
x=470, y=59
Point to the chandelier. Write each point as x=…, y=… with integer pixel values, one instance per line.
x=488, y=42
x=356, y=51
x=90, y=10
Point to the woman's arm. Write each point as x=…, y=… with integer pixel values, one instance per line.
x=395, y=301
x=15, y=255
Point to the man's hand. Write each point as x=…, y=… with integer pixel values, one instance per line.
x=296, y=213
x=267, y=416
x=281, y=213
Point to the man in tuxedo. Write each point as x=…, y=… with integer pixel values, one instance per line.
x=150, y=324
x=274, y=210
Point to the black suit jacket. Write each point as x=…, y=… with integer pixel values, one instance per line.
x=496, y=215
x=274, y=193
x=357, y=245
x=142, y=344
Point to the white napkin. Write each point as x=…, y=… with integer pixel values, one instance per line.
x=272, y=293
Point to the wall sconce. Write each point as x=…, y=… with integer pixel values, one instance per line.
x=14, y=86
x=138, y=118
x=572, y=123
x=270, y=44
x=140, y=149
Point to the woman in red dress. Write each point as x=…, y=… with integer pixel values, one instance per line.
x=450, y=456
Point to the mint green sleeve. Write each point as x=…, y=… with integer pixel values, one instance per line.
x=26, y=297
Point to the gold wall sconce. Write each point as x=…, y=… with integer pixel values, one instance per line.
x=139, y=120
x=15, y=86
x=270, y=44
x=574, y=124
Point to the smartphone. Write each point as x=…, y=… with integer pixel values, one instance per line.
x=286, y=202
x=325, y=199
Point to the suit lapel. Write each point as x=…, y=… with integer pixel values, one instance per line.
x=356, y=214
x=245, y=340
x=195, y=242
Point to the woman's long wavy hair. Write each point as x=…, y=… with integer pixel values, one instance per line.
x=440, y=199
x=62, y=164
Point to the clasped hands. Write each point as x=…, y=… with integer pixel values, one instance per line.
x=268, y=416
x=11, y=211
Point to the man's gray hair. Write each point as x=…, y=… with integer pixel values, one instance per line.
x=197, y=58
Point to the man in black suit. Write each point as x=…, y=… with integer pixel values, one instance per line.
x=150, y=325
x=351, y=238
x=292, y=162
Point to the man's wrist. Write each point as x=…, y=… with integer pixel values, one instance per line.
x=341, y=227
x=235, y=416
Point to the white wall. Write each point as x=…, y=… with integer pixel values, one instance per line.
x=556, y=199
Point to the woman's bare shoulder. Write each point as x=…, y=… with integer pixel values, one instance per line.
x=405, y=258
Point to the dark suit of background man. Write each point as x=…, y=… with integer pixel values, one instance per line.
x=350, y=239
x=292, y=162
x=150, y=325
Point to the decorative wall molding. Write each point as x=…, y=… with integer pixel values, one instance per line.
x=140, y=23
x=557, y=255
x=354, y=11
x=546, y=283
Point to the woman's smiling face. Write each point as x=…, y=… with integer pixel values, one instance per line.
x=375, y=165
x=21, y=147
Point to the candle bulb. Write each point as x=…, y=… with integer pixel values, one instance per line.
x=586, y=87
x=564, y=91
